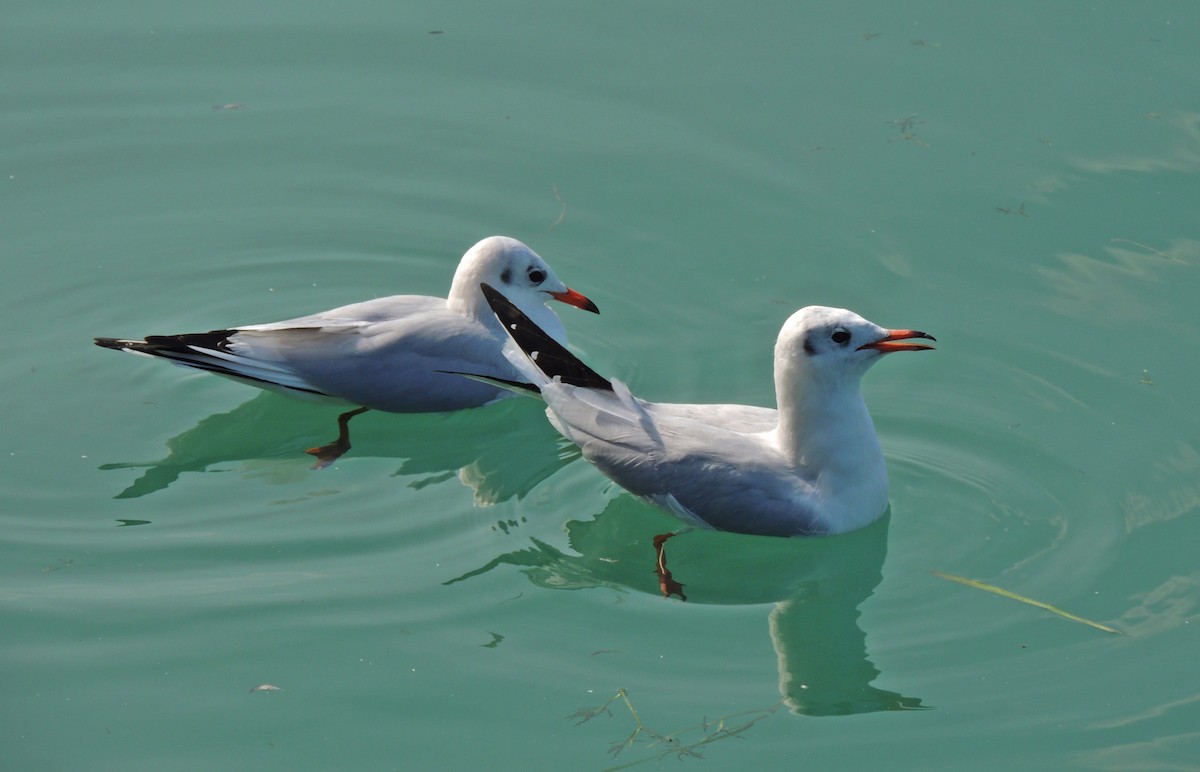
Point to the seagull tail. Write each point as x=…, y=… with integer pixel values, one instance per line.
x=210, y=351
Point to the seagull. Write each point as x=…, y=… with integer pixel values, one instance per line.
x=811, y=467
x=391, y=353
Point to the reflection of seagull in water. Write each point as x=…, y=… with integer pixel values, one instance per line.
x=389, y=354
x=431, y=447
x=817, y=588
x=814, y=466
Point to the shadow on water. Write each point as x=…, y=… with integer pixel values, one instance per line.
x=476, y=445
x=817, y=587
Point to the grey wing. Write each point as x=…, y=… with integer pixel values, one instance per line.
x=594, y=417
x=395, y=354
x=400, y=365
x=358, y=314
x=730, y=495
x=685, y=459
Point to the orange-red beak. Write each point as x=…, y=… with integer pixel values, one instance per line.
x=891, y=342
x=573, y=298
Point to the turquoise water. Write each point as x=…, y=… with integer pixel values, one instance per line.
x=1019, y=180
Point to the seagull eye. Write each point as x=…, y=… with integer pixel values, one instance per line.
x=840, y=337
x=536, y=275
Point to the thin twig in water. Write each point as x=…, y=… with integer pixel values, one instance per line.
x=674, y=743
x=561, y=215
x=1014, y=596
x=1148, y=248
x=905, y=126
x=1019, y=210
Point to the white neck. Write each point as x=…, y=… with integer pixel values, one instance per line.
x=464, y=296
x=828, y=436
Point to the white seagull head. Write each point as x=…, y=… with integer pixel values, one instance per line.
x=833, y=344
x=518, y=272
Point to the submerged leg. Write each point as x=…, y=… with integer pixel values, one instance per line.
x=327, y=454
x=666, y=584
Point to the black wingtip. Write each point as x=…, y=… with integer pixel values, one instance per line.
x=550, y=357
x=164, y=345
x=114, y=343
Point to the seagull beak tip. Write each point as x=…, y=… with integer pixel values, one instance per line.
x=577, y=299
x=895, y=340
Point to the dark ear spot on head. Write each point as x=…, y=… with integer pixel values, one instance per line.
x=506, y=276
x=808, y=346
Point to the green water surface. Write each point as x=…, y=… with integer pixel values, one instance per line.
x=179, y=590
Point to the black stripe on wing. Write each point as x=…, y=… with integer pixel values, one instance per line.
x=550, y=357
x=163, y=345
x=179, y=349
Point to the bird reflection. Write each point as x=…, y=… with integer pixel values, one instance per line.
x=476, y=445
x=817, y=586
